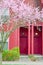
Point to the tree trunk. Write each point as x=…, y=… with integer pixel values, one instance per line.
x=0, y=58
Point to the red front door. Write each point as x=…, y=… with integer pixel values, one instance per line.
x=23, y=41
x=37, y=40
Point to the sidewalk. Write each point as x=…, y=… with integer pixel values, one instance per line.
x=22, y=63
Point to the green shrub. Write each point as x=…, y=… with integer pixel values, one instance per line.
x=16, y=53
x=11, y=55
x=4, y=54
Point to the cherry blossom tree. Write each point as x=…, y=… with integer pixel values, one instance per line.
x=13, y=14
x=7, y=20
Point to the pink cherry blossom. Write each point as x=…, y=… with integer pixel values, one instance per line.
x=22, y=11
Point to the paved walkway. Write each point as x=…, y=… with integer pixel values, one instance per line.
x=24, y=60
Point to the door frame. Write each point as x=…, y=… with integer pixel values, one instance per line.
x=23, y=38
x=28, y=39
x=39, y=24
x=38, y=37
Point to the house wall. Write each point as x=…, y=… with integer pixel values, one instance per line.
x=14, y=39
x=41, y=3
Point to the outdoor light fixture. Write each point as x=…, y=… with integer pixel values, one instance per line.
x=39, y=28
x=36, y=33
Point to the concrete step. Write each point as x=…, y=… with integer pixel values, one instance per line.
x=39, y=57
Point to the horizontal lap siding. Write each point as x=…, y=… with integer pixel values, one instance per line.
x=13, y=40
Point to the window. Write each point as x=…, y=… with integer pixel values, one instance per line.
x=37, y=3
